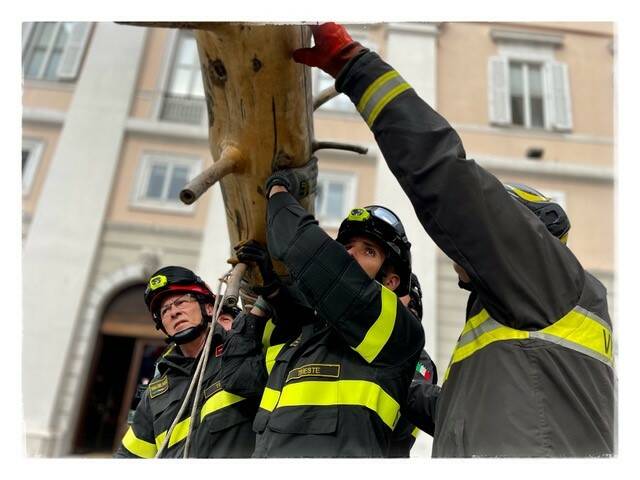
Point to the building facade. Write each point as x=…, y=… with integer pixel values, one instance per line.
x=114, y=124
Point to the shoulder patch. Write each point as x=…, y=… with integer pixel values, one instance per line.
x=213, y=388
x=159, y=386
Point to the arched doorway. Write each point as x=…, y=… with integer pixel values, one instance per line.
x=124, y=357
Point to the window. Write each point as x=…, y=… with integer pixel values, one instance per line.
x=335, y=196
x=322, y=80
x=53, y=50
x=31, y=154
x=526, y=94
x=184, y=96
x=160, y=179
x=528, y=88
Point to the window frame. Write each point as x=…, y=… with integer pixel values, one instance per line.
x=28, y=47
x=164, y=82
x=350, y=180
x=528, y=53
x=36, y=148
x=148, y=159
x=526, y=93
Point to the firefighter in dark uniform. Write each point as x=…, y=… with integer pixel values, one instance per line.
x=532, y=373
x=425, y=376
x=336, y=389
x=182, y=305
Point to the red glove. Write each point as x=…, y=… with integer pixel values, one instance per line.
x=333, y=49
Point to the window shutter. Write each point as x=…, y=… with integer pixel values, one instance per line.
x=499, y=106
x=27, y=28
x=73, y=51
x=560, y=96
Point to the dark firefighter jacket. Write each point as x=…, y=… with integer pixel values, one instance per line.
x=336, y=390
x=532, y=373
x=406, y=432
x=231, y=389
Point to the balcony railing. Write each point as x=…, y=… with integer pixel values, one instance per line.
x=183, y=109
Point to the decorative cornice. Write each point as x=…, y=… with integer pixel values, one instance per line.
x=154, y=229
x=500, y=35
x=415, y=27
x=43, y=115
x=543, y=168
x=167, y=129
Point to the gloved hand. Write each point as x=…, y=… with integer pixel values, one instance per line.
x=253, y=253
x=299, y=182
x=333, y=48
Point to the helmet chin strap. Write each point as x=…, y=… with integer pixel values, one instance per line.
x=189, y=334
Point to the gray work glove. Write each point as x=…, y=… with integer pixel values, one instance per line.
x=299, y=182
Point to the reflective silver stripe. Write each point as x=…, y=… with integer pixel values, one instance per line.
x=377, y=96
x=571, y=345
x=592, y=316
x=487, y=326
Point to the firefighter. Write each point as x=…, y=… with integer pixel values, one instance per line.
x=181, y=305
x=532, y=372
x=336, y=389
x=425, y=377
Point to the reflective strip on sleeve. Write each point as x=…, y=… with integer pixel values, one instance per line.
x=415, y=432
x=138, y=447
x=269, y=399
x=266, y=335
x=579, y=330
x=271, y=355
x=219, y=401
x=379, y=333
x=342, y=392
x=382, y=91
x=179, y=433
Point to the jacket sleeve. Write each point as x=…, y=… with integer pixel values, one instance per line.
x=139, y=440
x=368, y=316
x=524, y=276
x=242, y=370
x=290, y=311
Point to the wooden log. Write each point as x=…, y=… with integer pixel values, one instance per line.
x=259, y=102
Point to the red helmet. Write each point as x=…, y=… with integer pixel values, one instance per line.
x=169, y=280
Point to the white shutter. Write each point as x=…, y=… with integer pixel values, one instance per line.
x=499, y=105
x=560, y=96
x=27, y=28
x=73, y=51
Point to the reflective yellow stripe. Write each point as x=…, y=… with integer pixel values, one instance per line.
x=528, y=196
x=179, y=433
x=385, y=100
x=371, y=89
x=379, y=333
x=266, y=335
x=271, y=355
x=342, y=392
x=475, y=321
x=219, y=401
x=579, y=330
x=415, y=432
x=137, y=446
x=269, y=399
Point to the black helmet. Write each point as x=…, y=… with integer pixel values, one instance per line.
x=415, y=296
x=549, y=212
x=385, y=226
x=170, y=280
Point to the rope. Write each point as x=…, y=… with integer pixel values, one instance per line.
x=197, y=378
